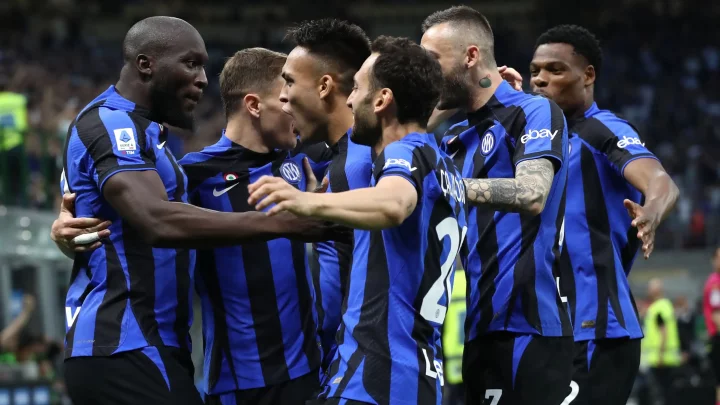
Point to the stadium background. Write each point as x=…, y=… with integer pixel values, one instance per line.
x=661, y=70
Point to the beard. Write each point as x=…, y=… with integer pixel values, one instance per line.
x=365, y=131
x=455, y=91
x=168, y=108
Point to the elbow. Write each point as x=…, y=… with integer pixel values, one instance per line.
x=536, y=206
x=394, y=215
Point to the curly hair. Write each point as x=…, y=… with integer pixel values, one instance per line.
x=412, y=74
x=342, y=45
x=583, y=42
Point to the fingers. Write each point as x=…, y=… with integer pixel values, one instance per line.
x=87, y=248
x=632, y=208
x=68, y=203
x=323, y=186
x=311, y=184
x=261, y=182
x=86, y=224
x=278, y=208
x=86, y=239
x=264, y=186
x=502, y=69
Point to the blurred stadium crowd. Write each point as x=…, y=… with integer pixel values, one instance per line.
x=661, y=71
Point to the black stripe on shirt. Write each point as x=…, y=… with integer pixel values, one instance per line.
x=263, y=298
x=600, y=243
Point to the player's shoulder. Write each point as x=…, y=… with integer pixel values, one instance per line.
x=317, y=152
x=613, y=122
x=220, y=149
x=530, y=103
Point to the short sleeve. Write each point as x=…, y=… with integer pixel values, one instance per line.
x=113, y=144
x=544, y=134
x=399, y=159
x=625, y=146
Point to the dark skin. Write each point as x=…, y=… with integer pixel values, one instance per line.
x=140, y=198
x=568, y=79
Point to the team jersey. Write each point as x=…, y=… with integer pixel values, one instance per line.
x=126, y=295
x=600, y=244
x=389, y=347
x=711, y=302
x=510, y=257
x=259, y=324
x=351, y=168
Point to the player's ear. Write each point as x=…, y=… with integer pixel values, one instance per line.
x=252, y=104
x=326, y=85
x=589, y=75
x=472, y=56
x=144, y=64
x=383, y=100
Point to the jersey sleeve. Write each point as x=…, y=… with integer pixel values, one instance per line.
x=625, y=146
x=544, y=134
x=400, y=159
x=113, y=144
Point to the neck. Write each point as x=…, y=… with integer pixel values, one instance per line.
x=130, y=89
x=340, y=119
x=479, y=96
x=587, y=103
x=396, y=131
x=242, y=130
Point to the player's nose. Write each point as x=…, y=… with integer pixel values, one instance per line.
x=538, y=80
x=201, y=80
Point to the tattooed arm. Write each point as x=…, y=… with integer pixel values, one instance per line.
x=526, y=193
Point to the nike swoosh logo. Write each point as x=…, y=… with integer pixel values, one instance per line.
x=453, y=155
x=160, y=145
x=217, y=193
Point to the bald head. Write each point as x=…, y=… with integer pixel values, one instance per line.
x=464, y=26
x=154, y=36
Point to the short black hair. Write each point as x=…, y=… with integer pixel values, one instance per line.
x=583, y=42
x=412, y=74
x=472, y=19
x=343, y=45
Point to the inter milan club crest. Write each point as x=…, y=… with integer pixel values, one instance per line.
x=488, y=142
x=230, y=177
x=290, y=171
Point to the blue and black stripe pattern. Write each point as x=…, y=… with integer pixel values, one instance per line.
x=601, y=246
x=125, y=295
x=259, y=323
x=350, y=169
x=389, y=346
x=511, y=258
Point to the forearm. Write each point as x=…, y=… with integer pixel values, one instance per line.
x=525, y=193
x=368, y=209
x=178, y=225
x=662, y=193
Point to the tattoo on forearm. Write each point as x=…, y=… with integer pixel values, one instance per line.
x=531, y=186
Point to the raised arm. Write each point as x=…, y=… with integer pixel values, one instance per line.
x=526, y=193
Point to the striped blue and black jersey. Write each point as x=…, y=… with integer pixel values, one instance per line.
x=511, y=258
x=126, y=295
x=389, y=346
x=600, y=245
x=351, y=168
x=259, y=323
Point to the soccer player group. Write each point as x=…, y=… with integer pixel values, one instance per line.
x=546, y=198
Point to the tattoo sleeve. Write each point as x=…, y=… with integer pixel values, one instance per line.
x=527, y=192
